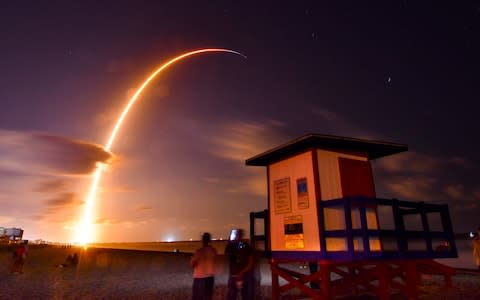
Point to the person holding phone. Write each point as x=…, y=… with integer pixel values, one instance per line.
x=241, y=267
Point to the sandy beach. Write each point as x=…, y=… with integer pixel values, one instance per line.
x=105, y=273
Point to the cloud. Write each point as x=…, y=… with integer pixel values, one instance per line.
x=59, y=208
x=476, y=195
x=325, y=114
x=338, y=125
x=236, y=142
x=64, y=199
x=143, y=207
x=462, y=193
x=467, y=208
x=38, y=217
x=106, y=221
x=128, y=223
x=117, y=189
x=408, y=175
x=461, y=161
x=107, y=117
x=5, y=219
x=212, y=180
x=40, y=153
x=69, y=156
x=254, y=184
x=456, y=192
x=51, y=186
x=412, y=187
x=410, y=162
x=241, y=140
x=422, y=177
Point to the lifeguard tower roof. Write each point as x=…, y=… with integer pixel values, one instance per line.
x=372, y=148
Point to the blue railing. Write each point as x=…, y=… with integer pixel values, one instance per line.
x=396, y=242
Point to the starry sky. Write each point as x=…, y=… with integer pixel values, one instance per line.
x=398, y=71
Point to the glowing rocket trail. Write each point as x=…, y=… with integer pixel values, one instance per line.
x=84, y=234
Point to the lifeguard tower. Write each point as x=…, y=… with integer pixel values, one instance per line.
x=323, y=210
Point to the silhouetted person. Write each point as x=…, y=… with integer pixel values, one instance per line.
x=241, y=277
x=74, y=260
x=476, y=248
x=443, y=246
x=70, y=261
x=19, y=258
x=203, y=264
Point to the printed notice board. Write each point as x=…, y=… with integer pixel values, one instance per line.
x=293, y=230
x=281, y=197
x=302, y=193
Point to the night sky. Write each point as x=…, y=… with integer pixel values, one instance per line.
x=398, y=71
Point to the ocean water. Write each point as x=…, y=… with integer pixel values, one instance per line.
x=465, y=258
x=464, y=248
x=181, y=246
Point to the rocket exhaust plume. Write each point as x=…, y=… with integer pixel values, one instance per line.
x=84, y=230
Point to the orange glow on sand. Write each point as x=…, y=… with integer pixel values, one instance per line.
x=85, y=232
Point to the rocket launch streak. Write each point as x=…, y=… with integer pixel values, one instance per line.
x=84, y=231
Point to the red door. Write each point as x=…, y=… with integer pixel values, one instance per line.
x=356, y=178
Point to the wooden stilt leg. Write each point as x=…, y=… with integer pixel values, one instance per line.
x=351, y=271
x=448, y=281
x=275, y=283
x=357, y=276
x=325, y=281
x=383, y=282
x=412, y=280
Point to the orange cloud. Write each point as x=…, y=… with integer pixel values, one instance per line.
x=106, y=221
x=456, y=191
x=64, y=199
x=143, y=208
x=241, y=140
x=68, y=156
x=40, y=153
x=52, y=185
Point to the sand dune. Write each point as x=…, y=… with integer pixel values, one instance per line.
x=131, y=274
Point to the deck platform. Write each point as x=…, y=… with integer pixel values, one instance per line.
x=407, y=251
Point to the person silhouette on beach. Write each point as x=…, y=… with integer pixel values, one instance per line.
x=19, y=258
x=476, y=248
x=74, y=260
x=203, y=264
x=241, y=258
x=70, y=261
